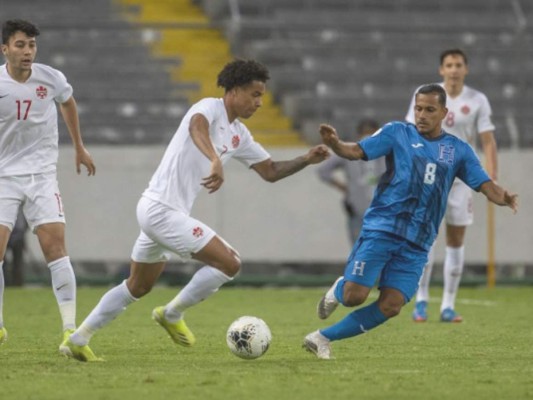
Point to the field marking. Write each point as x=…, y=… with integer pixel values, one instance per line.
x=474, y=302
x=470, y=302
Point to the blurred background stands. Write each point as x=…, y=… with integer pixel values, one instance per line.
x=339, y=60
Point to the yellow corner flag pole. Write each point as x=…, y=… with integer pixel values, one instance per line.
x=491, y=263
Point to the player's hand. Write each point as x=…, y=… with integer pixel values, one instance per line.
x=83, y=157
x=214, y=181
x=317, y=154
x=511, y=200
x=329, y=135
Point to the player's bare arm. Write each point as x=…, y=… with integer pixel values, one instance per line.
x=350, y=151
x=199, y=131
x=499, y=195
x=273, y=171
x=488, y=143
x=69, y=111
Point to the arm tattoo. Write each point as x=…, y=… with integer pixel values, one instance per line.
x=282, y=169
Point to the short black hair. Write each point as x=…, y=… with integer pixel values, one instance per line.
x=453, y=52
x=434, y=88
x=241, y=73
x=14, y=25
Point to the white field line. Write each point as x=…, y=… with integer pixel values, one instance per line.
x=470, y=302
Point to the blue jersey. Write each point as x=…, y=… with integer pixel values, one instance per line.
x=410, y=199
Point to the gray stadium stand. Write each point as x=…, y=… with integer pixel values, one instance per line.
x=124, y=95
x=339, y=60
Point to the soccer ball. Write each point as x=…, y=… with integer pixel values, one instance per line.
x=248, y=337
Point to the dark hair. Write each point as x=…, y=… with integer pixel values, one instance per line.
x=367, y=124
x=453, y=52
x=14, y=25
x=241, y=73
x=434, y=88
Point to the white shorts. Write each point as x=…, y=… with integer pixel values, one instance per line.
x=459, y=210
x=38, y=195
x=165, y=231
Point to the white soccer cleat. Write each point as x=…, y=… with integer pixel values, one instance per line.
x=328, y=303
x=318, y=344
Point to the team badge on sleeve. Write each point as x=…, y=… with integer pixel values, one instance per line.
x=198, y=232
x=235, y=140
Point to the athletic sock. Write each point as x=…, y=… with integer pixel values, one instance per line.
x=339, y=291
x=113, y=303
x=423, y=285
x=355, y=323
x=206, y=281
x=2, y=287
x=453, y=269
x=64, y=286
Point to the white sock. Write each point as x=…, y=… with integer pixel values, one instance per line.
x=64, y=286
x=111, y=305
x=453, y=269
x=206, y=281
x=423, y=285
x=2, y=287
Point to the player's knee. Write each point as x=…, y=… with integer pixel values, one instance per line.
x=139, y=289
x=390, y=309
x=353, y=298
x=391, y=306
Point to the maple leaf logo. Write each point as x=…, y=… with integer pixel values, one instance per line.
x=197, y=232
x=235, y=140
x=41, y=92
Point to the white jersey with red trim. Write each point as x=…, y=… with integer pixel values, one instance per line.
x=177, y=180
x=469, y=114
x=28, y=120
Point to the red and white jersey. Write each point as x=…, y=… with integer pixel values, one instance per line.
x=468, y=114
x=177, y=180
x=28, y=120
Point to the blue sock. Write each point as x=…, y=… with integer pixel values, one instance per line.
x=339, y=291
x=355, y=323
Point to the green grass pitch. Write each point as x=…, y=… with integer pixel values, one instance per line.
x=489, y=356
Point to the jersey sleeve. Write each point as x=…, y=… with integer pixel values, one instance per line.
x=484, y=121
x=471, y=171
x=63, y=89
x=206, y=107
x=380, y=143
x=250, y=152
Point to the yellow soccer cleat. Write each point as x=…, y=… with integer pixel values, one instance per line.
x=80, y=353
x=3, y=335
x=178, y=331
x=66, y=334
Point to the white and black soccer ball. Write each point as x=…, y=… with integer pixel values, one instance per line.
x=248, y=337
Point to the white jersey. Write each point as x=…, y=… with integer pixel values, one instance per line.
x=177, y=180
x=468, y=114
x=28, y=120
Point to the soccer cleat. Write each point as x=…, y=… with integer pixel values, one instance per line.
x=66, y=335
x=449, y=315
x=80, y=353
x=328, y=303
x=318, y=344
x=420, y=312
x=3, y=335
x=178, y=331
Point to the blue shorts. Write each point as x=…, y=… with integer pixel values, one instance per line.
x=396, y=262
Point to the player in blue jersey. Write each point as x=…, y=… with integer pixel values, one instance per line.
x=401, y=223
